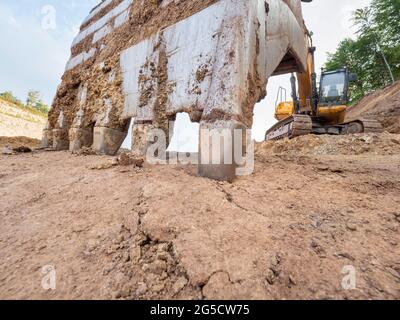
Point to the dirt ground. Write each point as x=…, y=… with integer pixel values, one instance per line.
x=290, y=231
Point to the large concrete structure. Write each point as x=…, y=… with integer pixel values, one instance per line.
x=148, y=60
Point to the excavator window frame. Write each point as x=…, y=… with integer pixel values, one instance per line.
x=345, y=99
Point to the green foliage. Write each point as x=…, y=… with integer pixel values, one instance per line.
x=33, y=99
x=375, y=55
x=387, y=21
x=33, y=102
x=9, y=96
x=43, y=108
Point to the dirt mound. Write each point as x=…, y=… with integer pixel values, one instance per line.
x=378, y=144
x=384, y=105
x=20, y=121
x=17, y=142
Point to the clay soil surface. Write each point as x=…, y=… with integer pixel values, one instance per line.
x=315, y=209
x=382, y=105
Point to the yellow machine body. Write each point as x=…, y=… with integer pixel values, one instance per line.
x=284, y=110
x=330, y=114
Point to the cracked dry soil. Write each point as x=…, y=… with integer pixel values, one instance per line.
x=286, y=232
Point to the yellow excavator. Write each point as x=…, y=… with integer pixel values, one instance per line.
x=316, y=110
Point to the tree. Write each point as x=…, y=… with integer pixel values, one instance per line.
x=367, y=27
x=43, y=108
x=386, y=19
x=7, y=95
x=33, y=99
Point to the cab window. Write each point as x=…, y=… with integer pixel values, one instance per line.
x=333, y=87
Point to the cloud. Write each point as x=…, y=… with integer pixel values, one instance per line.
x=30, y=56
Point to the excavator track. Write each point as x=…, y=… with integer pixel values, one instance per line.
x=362, y=126
x=293, y=126
x=299, y=125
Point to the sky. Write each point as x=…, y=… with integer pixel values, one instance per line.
x=36, y=36
x=33, y=52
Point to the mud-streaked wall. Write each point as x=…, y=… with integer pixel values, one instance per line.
x=150, y=59
x=95, y=54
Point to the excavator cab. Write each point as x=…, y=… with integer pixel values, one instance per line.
x=334, y=95
x=334, y=88
x=332, y=98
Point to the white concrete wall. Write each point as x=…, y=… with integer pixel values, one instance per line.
x=100, y=28
x=232, y=39
x=80, y=58
x=203, y=41
x=98, y=24
x=95, y=11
